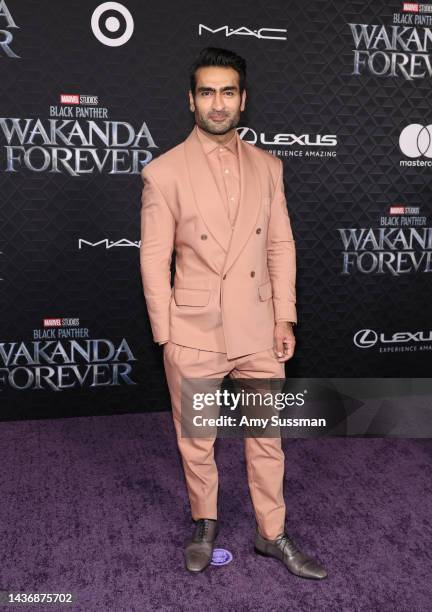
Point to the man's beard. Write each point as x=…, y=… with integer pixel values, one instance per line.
x=212, y=127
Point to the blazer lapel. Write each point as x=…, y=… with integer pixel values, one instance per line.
x=209, y=200
x=249, y=205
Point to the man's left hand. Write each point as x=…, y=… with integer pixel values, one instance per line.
x=284, y=341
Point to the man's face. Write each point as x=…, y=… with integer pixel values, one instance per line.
x=217, y=103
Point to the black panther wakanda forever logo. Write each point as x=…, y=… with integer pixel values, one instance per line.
x=61, y=364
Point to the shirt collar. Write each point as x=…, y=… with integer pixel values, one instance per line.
x=210, y=145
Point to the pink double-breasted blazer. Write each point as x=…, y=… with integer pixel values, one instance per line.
x=230, y=283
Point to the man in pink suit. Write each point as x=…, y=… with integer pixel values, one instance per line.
x=220, y=203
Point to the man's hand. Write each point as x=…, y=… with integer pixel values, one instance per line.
x=284, y=341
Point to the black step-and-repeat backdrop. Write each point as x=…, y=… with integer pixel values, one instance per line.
x=91, y=91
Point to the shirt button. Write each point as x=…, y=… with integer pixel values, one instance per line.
x=220, y=149
x=226, y=170
x=258, y=230
x=252, y=273
x=203, y=236
x=232, y=198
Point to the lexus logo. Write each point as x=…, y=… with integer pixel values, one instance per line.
x=112, y=24
x=365, y=338
x=248, y=135
x=287, y=140
x=416, y=140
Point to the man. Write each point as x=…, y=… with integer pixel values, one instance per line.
x=220, y=203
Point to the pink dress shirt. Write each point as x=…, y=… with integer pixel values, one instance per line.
x=224, y=164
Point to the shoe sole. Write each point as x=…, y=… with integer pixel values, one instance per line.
x=196, y=572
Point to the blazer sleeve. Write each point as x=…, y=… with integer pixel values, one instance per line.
x=157, y=245
x=281, y=255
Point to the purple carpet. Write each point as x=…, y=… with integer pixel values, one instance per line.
x=96, y=506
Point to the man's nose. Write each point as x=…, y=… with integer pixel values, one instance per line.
x=218, y=102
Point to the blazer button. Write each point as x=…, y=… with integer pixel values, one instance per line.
x=252, y=273
x=224, y=277
x=203, y=236
x=258, y=230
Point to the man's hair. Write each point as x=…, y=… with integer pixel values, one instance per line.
x=214, y=56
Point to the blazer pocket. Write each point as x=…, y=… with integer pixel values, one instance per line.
x=265, y=291
x=191, y=297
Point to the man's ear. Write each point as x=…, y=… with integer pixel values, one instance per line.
x=191, y=101
x=243, y=102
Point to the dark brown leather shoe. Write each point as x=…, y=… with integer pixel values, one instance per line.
x=199, y=550
x=284, y=549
